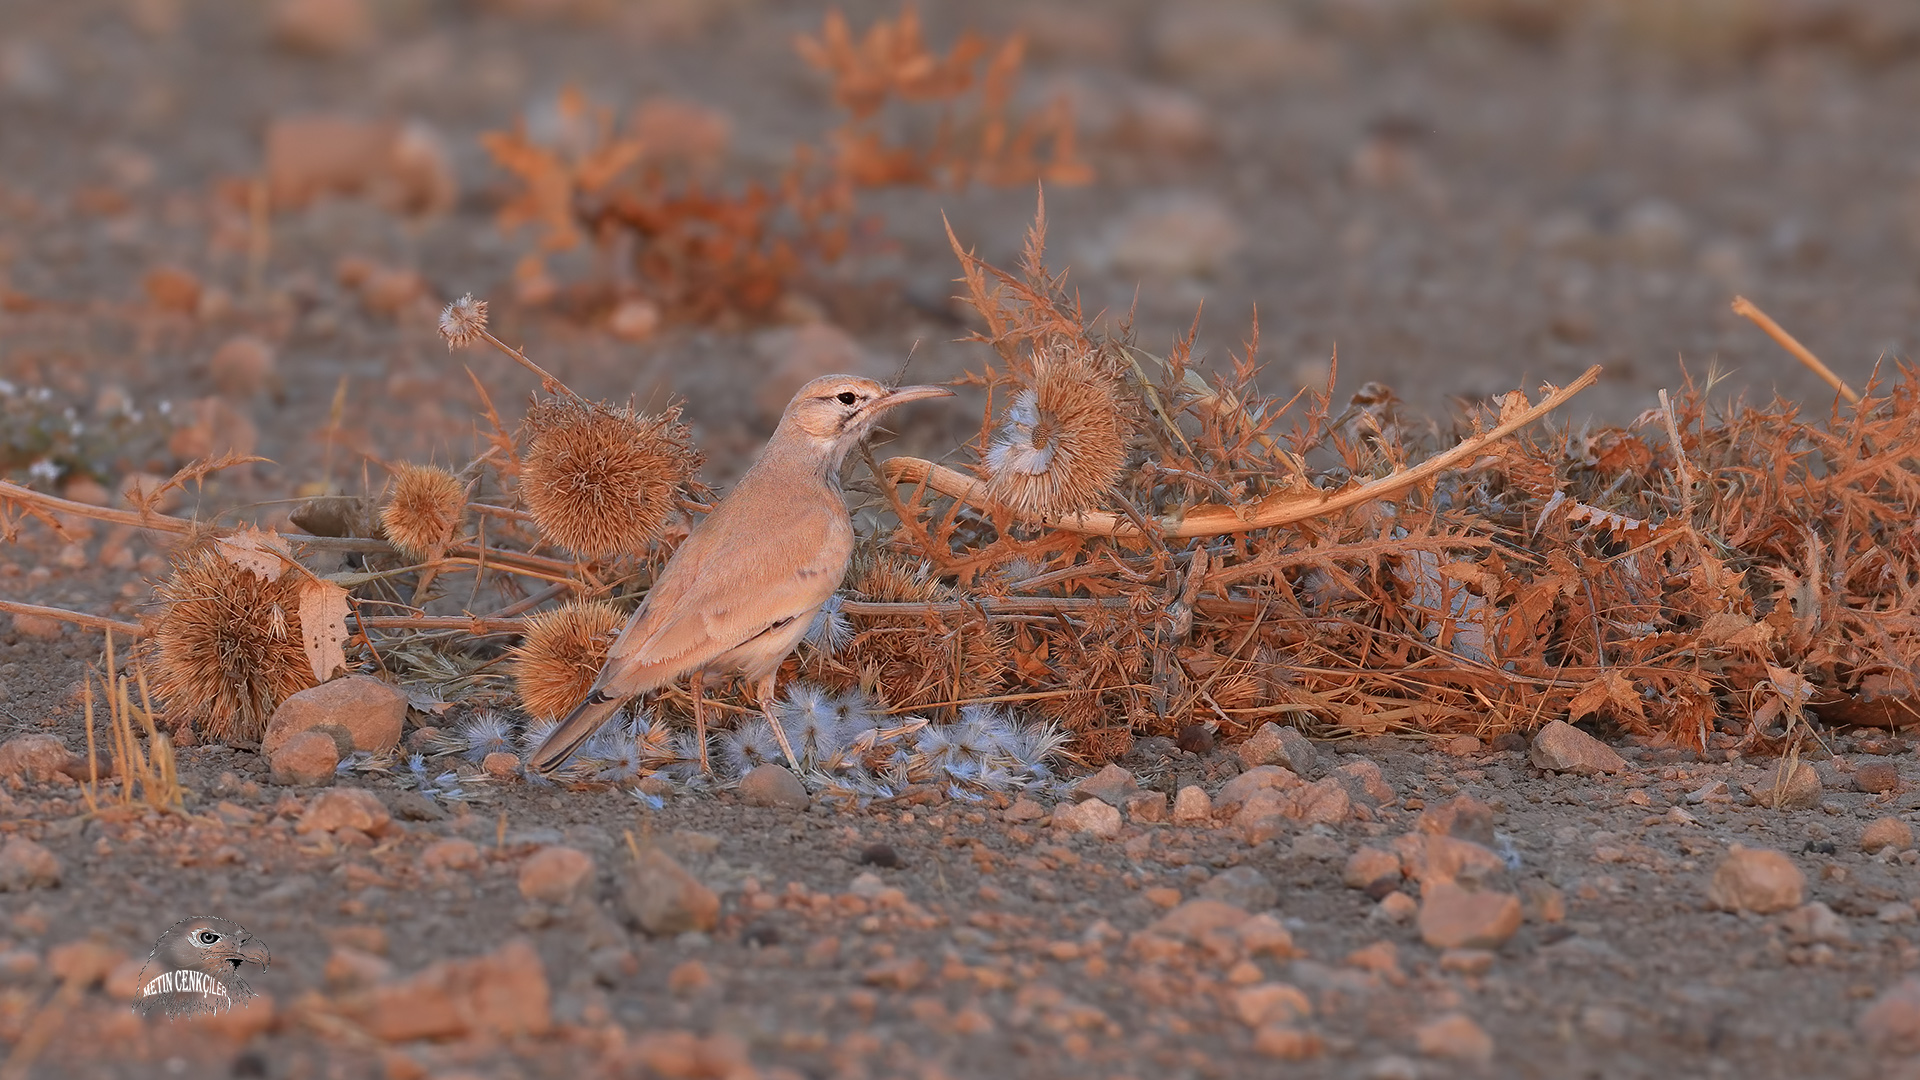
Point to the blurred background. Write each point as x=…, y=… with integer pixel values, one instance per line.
x=231, y=225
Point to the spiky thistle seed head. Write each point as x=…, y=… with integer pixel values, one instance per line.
x=603, y=481
x=613, y=754
x=560, y=654
x=683, y=767
x=651, y=737
x=915, y=659
x=488, y=731
x=227, y=646
x=746, y=747
x=855, y=712
x=888, y=578
x=809, y=718
x=830, y=631
x=463, y=321
x=1062, y=443
x=425, y=510
x=535, y=733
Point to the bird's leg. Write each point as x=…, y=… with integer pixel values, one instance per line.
x=700, y=719
x=764, y=692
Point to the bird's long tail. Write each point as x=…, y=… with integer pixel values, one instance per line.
x=579, y=726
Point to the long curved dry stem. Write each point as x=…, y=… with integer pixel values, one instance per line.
x=1748, y=310
x=12, y=492
x=1281, y=508
x=78, y=618
x=548, y=382
x=537, y=565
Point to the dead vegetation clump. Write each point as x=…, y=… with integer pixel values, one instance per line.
x=1193, y=566
x=702, y=249
x=150, y=770
x=917, y=656
x=1687, y=575
x=227, y=645
x=976, y=136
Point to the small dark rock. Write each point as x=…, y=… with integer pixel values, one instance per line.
x=1379, y=888
x=880, y=855
x=1877, y=777
x=1509, y=742
x=413, y=806
x=1244, y=887
x=761, y=935
x=1195, y=739
x=1819, y=847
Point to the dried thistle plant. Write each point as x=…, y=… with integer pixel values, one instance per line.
x=560, y=654
x=424, y=511
x=463, y=322
x=1062, y=443
x=227, y=646
x=603, y=481
x=917, y=658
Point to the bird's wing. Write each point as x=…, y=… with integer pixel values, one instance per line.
x=732, y=580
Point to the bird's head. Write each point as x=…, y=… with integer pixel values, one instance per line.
x=215, y=946
x=831, y=414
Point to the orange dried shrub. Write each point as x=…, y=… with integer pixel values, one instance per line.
x=227, y=646
x=977, y=139
x=702, y=250
x=554, y=179
x=705, y=249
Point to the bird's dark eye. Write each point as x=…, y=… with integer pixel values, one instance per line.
x=208, y=937
x=847, y=397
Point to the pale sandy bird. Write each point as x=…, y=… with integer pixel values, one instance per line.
x=743, y=588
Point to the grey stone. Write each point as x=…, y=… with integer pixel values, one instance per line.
x=1561, y=747
x=370, y=710
x=769, y=784
x=664, y=899
x=26, y=865
x=1243, y=887
x=1110, y=785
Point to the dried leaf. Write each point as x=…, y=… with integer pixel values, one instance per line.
x=264, y=553
x=323, y=626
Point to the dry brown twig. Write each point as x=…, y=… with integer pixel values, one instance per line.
x=1287, y=507
x=1748, y=310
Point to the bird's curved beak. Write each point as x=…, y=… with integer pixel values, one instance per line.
x=252, y=952
x=901, y=395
